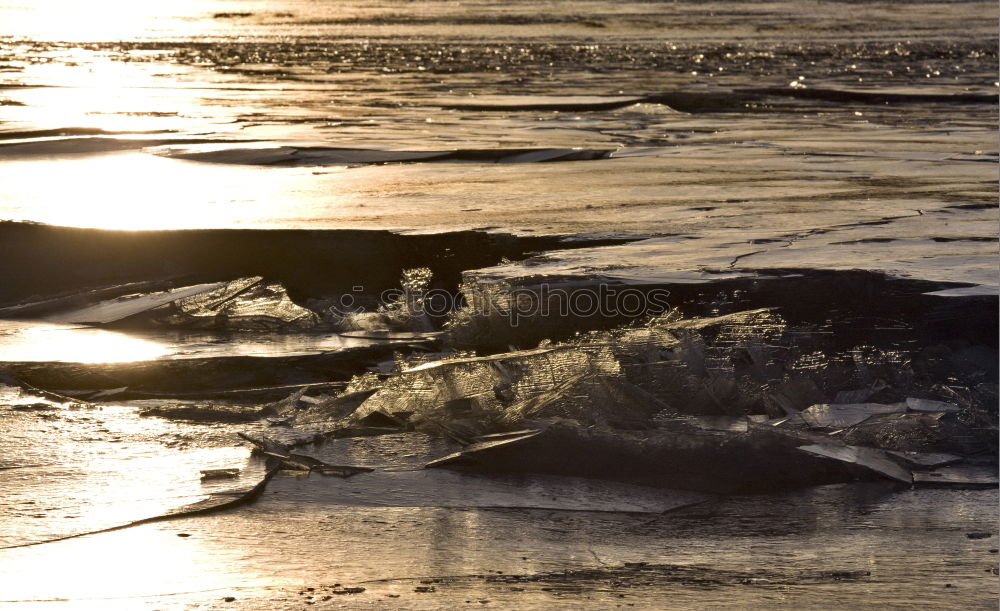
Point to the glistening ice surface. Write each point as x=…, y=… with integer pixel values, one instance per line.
x=720, y=145
x=839, y=130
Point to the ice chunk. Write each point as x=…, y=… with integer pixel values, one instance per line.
x=929, y=405
x=794, y=394
x=925, y=460
x=485, y=444
x=591, y=400
x=787, y=421
x=486, y=387
x=113, y=310
x=920, y=431
x=837, y=416
x=871, y=459
x=712, y=366
x=335, y=408
x=210, y=474
x=503, y=435
x=300, y=462
x=285, y=406
x=722, y=423
x=244, y=304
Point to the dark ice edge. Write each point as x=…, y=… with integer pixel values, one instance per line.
x=694, y=102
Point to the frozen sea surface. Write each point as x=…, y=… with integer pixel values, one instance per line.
x=773, y=134
x=471, y=538
x=722, y=140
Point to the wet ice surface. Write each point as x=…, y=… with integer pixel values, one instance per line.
x=68, y=470
x=444, y=527
x=391, y=534
x=819, y=184
x=861, y=545
x=632, y=119
x=50, y=342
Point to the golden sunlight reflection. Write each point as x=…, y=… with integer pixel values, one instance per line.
x=103, y=103
x=139, y=190
x=116, y=570
x=70, y=20
x=111, y=490
x=120, y=191
x=28, y=341
x=141, y=486
x=94, y=90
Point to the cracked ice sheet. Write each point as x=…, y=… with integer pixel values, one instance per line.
x=935, y=246
x=941, y=244
x=677, y=259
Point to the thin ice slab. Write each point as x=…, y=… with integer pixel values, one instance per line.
x=929, y=405
x=834, y=416
x=925, y=460
x=488, y=443
x=870, y=459
x=112, y=310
